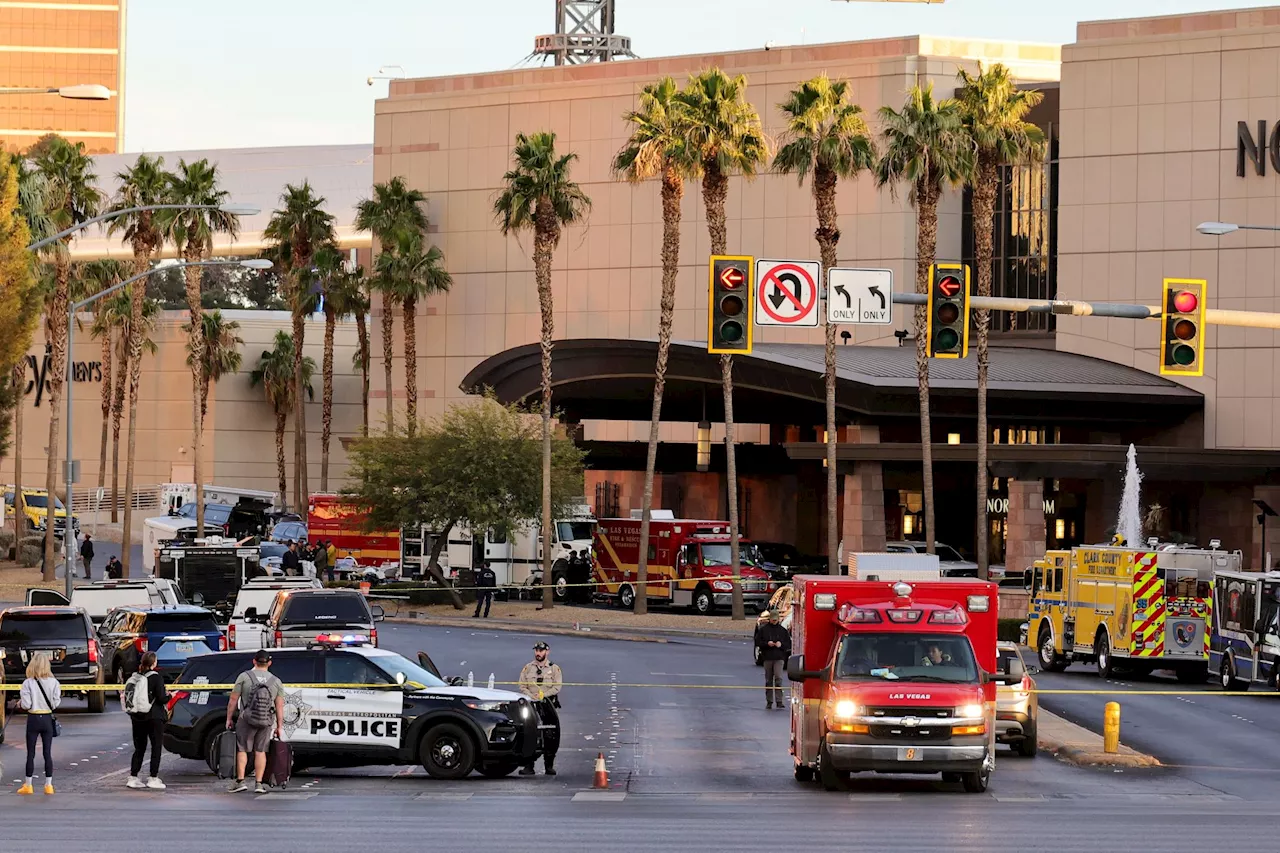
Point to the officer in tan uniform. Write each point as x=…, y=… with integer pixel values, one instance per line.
x=541, y=680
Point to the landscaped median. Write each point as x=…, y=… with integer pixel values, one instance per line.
x=1077, y=745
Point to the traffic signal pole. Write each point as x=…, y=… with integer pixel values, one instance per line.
x=1213, y=316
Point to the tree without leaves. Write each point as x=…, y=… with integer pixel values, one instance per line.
x=724, y=132
x=404, y=478
x=993, y=110
x=539, y=196
x=826, y=139
x=926, y=147
x=658, y=147
x=275, y=376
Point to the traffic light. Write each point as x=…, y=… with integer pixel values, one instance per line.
x=948, y=319
x=729, y=312
x=1182, y=350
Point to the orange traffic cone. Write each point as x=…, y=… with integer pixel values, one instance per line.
x=602, y=773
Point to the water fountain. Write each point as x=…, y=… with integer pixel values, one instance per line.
x=1129, y=524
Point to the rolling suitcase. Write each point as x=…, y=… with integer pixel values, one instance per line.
x=279, y=764
x=223, y=757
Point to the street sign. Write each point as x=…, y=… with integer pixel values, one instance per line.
x=787, y=293
x=860, y=296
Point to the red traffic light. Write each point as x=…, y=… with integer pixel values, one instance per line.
x=732, y=278
x=1185, y=302
x=949, y=286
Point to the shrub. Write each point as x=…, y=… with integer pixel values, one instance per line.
x=29, y=555
x=6, y=541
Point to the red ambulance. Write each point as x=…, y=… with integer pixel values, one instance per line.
x=894, y=677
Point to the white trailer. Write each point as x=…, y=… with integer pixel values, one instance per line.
x=893, y=567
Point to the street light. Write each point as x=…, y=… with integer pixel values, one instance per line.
x=68, y=531
x=82, y=92
x=232, y=208
x=1217, y=229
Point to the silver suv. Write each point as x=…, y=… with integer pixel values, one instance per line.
x=298, y=616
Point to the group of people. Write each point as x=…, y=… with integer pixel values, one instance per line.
x=323, y=554
x=113, y=571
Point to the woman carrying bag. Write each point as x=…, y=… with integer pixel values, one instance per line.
x=40, y=696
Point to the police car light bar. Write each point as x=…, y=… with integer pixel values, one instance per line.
x=342, y=639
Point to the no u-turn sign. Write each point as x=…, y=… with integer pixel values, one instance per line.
x=787, y=293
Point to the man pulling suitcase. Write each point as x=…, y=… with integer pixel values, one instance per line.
x=259, y=697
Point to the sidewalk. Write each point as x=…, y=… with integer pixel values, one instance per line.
x=1077, y=745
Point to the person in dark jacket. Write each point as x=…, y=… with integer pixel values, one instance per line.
x=290, y=562
x=774, y=642
x=486, y=583
x=86, y=554
x=148, y=726
x=114, y=569
x=321, y=559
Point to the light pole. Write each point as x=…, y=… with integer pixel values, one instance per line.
x=1217, y=229
x=82, y=92
x=68, y=530
x=237, y=209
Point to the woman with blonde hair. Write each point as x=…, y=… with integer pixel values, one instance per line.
x=40, y=696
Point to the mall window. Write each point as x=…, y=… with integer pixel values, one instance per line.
x=1025, y=231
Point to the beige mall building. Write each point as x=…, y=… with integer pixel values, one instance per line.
x=1144, y=118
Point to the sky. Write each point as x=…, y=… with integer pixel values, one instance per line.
x=242, y=73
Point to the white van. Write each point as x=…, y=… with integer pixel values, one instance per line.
x=259, y=594
x=101, y=597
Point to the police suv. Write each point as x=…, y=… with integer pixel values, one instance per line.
x=406, y=715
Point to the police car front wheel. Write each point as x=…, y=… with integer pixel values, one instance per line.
x=448, y=752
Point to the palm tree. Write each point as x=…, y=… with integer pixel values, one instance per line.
x=101, y=274
x=191, y=230
x=924, y=145
x=328, y=270
x=539, y=196
x=299, y=227
x=724, y=133
x=145, y=182
x=120, y=306
x=221, y=352
x=394, y=209
x=275, y=375
x=350, y=295
x=994, y=112
x=410, y=272
x=71, y=199
x=658, y=148
x=826, y=137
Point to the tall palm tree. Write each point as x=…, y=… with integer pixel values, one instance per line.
x=725, y=133
x=299, y=227
x=539, y=196
x=145, y=182
x=72, y=198
x=395, y=208
x=658, y=148
x=350, y=294
x=276, y=376
x=32, y=204
x=328, y=271
x=827, y=138
x=102, y=274
x=120, y=306
x=410, y=271
x=994, y=112
x=222, y=355
x=925, y=146
x=191, y=230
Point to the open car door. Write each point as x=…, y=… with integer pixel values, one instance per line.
x=46, y=598
x=425, y=661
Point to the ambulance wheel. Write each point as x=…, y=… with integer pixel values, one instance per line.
x=1106, y=668
x=804, y=773
x=1194, y=674
x=704, y=602
x=831, y=778
x=561, y=586
x=1227, y=674
x=1049, y=660
x=626, y=597
x=976, y=783
x=447, y=752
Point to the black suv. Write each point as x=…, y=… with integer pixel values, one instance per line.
x=65, y=634
x=407, y=715
x=174, y=633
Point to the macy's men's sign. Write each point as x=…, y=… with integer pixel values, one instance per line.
x=38, y=381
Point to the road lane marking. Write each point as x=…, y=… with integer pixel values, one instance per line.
x=288, y=795
x=599, y=796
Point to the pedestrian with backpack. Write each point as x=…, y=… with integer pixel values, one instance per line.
x=259, y=697
x=144, y=699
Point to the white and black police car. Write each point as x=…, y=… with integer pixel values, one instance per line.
x=407, y=715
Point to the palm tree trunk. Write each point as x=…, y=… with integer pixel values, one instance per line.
x=926, y=245
x=362, y=333
x=117, y=415
x=192, y=275
x=326, y=406
x=55, y=377
x=134, y=359
x=281, y=420
x=715, y=189
x=984, y=199
x=388, y=323
x=672, y=193
x=828, y=235
x=544, y=242
x=107, y=388
x=299, y=402
x=20, y=383
x=411, y=362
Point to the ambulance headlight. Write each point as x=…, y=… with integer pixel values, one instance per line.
x=724, y=586
x=970, y=711
x=477, y=705
x=845, y=709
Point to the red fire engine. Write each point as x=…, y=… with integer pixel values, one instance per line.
x=330, y=518
x=688, y=563
x=894, y=677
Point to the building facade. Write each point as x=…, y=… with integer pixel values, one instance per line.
x=63, y=43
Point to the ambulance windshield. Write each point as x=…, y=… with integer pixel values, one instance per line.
x=907, y=657
x=392, y=664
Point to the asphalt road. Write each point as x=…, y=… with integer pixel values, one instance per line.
x=694, y=761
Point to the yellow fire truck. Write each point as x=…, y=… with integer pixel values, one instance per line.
x=1132, y=608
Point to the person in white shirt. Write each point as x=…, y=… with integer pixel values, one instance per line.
x=40, y=695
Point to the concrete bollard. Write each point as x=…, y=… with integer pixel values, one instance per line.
x=1111, y=728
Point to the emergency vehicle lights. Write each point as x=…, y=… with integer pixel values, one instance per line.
x=905, y=615
x=970, y=711
x=342, y=639
x=845, y=709
x=824, y=601
x=849, y=613
x=954, y=616
x=969, y=730
x=902, y=590
x=979, y=603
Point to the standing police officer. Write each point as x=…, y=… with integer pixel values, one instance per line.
x=541, y=680
x=486, y=583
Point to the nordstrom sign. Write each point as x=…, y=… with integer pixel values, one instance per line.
x=1255, y=149
x=1000, y=506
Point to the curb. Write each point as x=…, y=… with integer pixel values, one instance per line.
x=516, y=627
x=1082, y=753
